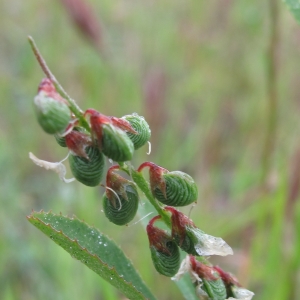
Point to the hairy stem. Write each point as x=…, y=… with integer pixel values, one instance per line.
x=272, y=74
x=73, y=105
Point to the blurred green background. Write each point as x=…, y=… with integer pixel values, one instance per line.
x=203, y=75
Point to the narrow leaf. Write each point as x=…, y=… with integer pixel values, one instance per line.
x=93, y=249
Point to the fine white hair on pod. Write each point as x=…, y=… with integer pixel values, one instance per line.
x=116, y=196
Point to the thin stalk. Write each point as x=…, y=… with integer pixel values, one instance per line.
x=272, y=76
x=142, y=183
x=73, y=105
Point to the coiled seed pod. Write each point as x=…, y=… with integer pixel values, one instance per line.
x=142, y=128
x=116, y=145
x=124, y=209
x=193, y=240
x=166, y=263
x=164, y=251
x=215, y=288
x=186, y=243
x=51, y=109
x=88, y=171
x=61, y=141
x=180, y=189
x=212, y=284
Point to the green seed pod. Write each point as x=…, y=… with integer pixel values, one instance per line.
x=142, y=128
x=164, y=251
x=215, y=288
x=186, y=244
x=51, y=109
x=166, y=263
x=193, y=240
x=180, y=190
x=125, y=209
x=88, y=171
x=116, y=144
x=61, y=141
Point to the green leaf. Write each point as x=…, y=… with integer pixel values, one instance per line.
x=93, y=249
x=294, y=7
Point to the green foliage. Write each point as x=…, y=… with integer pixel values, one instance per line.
x=93, y=249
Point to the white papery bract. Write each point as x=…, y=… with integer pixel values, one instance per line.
x=57, y=167
x=207, y=245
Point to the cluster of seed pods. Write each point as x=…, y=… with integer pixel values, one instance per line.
x=117, y=139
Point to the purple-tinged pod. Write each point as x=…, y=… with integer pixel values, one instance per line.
x=171, y=188
x=110, y=136
x=121, y=199
x=193, y=240
x=52, y=111
x=116, y=145
x=212, y=284
x=86, y=161
x=143, y=132
x=164, y=251
x=233, y=287
x=61, y=139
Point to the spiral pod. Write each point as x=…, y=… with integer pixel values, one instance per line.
x=186, y=244
x=215, y=289
x=142, y=128
x=51, y=109
x=181, y=189
x=88, y=171
x=166, y=263
x=61, y=141
x=116, y=145
x=125, y=209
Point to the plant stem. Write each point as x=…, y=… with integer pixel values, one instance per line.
x=272, y=75
x=141, y=182
x=73, y=105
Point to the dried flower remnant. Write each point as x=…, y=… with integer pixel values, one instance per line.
x=57, y=167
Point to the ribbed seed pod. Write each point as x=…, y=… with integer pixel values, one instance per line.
x=187, y=244
x=53, y=115
x=125, y=209
x=116, y=145
x=140, y=125
x=88, y=171
x=181, y=189
x=166, y=263
x=61, y=141
x=215, y=289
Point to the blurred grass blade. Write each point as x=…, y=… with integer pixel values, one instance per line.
x=294, y=7
x=93, y=249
